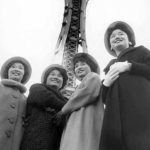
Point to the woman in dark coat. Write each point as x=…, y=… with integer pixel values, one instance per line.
x=40, y=132
x=126, y=92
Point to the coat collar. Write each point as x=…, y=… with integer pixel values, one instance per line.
x=106, y=69
x=57, y=92
x=12, y=83
x=126, y=51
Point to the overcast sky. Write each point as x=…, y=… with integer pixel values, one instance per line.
x=30, y=28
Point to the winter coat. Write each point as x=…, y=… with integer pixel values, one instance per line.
x=40, y=132
x=12, y=110
x=126, y=123
x=83, y=129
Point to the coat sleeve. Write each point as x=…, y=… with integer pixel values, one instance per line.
x=85, y=95
x=142, y=68
x=40, y=96
x=104, y=91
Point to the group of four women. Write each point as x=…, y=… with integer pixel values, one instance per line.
x=46, y=120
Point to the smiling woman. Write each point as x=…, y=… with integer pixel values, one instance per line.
x=84, y=107
x=125, y=92
x=119, y=40
x=43, y=102
x=15, y=72
x=55, y=79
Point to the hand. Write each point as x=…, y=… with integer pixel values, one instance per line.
x=50, y=110
x=110, y=77
x=121, y=66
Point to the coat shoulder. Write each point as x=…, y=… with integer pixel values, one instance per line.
x=143, y=48
x=36, y=86
x=95, y=76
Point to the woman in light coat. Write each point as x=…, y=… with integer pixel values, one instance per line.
x=15, y=72
x=83, y=129
x=126, y=92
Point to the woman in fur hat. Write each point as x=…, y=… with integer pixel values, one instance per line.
x=83, y=128
x=15, y=72
x=40, y=132
x=126, y=92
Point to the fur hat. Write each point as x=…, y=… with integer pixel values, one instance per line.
x=122, y=26
x=53, y=67
x=5, y=67
x=88, y=59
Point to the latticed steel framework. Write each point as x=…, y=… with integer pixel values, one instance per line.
x=71, y=36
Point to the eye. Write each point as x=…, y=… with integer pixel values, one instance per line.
x=21, y=67
x=51, y=74
x=83, y=63
x=60, y=76
x=76, y=65
x=120, y=33
x=112, y=36
x=13, y=66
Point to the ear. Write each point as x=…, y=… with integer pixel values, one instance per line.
x=111, y=48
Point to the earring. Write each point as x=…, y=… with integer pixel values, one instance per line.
x=130, y=43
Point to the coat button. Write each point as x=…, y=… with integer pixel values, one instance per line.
x=14, y=96
x=12, y=105
x=11, y=120
x=8, y=133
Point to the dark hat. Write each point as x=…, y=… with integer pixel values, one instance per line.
x=10, y=62
x=90, y=60
x=53, y=67
x=122, y=26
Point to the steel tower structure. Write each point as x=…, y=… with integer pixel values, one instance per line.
x=72, y=36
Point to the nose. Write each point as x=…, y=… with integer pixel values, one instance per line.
x=55, y=77
x=116, y=36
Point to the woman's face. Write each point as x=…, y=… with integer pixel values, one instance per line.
x=119, y=40
x=81, y=70
x=55, y=78
x=16, y=72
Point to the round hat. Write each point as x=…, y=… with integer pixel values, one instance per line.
x=53, y=67
x=90, y=60
x=122, y=26
x=5, y=67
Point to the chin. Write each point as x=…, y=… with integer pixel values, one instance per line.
x=54, y=86
x=16, y=79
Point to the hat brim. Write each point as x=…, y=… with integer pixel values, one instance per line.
x=5, y=67
x=89, y=59
x=53, y=67
x=122, y=26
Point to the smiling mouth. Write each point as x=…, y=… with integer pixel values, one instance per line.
x=118, y=41
x=55, y=81
x=16, y=73
x=80, y=71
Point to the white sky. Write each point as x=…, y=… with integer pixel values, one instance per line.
x=30, y=28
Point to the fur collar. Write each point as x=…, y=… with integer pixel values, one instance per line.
x=12, y=83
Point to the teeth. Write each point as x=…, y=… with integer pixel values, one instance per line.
x=80, y=71
x=54, y=80
x=117, y=41
x=16, y=73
